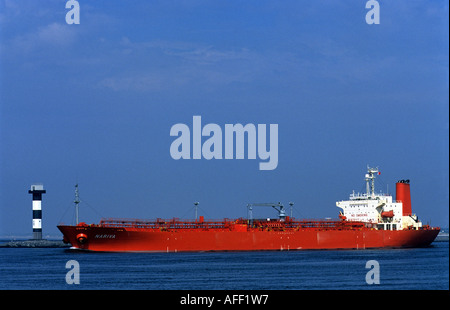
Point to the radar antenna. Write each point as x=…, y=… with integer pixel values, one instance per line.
x=370, y=180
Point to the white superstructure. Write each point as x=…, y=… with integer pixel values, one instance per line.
x=376, y=208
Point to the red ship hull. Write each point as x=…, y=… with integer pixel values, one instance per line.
x=241, y=237
x=383, y=223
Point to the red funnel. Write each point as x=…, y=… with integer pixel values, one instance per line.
x=404, y=196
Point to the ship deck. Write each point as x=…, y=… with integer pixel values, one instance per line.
x=242, y=224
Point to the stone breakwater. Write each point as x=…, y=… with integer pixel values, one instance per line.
x=35, y=244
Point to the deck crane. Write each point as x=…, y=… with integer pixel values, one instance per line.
x=277, y=206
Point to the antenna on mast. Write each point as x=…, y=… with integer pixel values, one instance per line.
x=76, y=201
x=370, y=180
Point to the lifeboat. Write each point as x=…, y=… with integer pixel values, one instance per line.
x=387, y=214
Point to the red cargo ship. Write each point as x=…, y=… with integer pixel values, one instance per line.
x=367, y=220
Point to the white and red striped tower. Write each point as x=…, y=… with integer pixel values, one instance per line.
x=37, y=190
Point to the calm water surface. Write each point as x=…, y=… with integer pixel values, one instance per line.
x=412, y=269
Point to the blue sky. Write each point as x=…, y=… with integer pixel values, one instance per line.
x=94, y=103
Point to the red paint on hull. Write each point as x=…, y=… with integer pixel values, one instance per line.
x=240, y=238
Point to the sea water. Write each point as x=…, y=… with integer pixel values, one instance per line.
x=398, y=269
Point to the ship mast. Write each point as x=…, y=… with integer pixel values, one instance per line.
x=76, y=201
x=196, y=209
x=370, y=181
